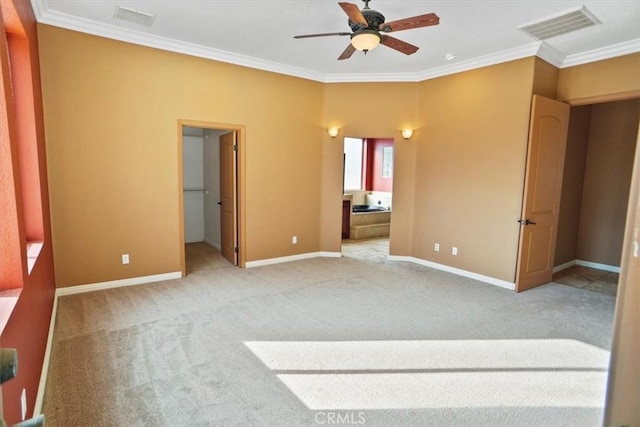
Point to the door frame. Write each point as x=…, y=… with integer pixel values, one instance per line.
x=620, y=407
x=622, y=383
x=241, y=185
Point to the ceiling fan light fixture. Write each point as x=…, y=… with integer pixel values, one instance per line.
x=365, y=40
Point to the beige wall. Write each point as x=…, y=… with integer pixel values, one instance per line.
x=111, y=120
x=458, y=180
x=378, y=110
x=470, y=167
x=111, y=112
x=607, y=80
x=607, y=179
x=545, y=79
x=571, y=199
x=600, y=81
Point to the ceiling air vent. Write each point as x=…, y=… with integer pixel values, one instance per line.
x=135, y=16
x=560, y=24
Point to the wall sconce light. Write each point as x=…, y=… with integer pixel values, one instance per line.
x=333, y=132
x=407, y=133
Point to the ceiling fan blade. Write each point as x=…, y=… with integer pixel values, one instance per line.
x=409, y=23
x=306, y=36
x=354, y=13
x=347, y=52
x=398, y=45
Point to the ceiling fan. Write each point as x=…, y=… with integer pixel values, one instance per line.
x=368, y=28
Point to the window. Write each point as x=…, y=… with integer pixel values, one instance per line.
x=22, y=223
x=353, y=163
x=387, y=162
x=368, y=164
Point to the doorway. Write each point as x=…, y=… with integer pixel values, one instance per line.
x=201, y=185
x=367, y=196
x=594, y=193
x=211, y=189
x=601, y=147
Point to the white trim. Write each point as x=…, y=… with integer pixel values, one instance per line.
x=481, y=61
x=212, y=243
x=582, y=263
x=620, y=49
x=540, y=49
x=37, y=409
x=457, y=271
x=42, y=385
x=330, y=254
x=551, y=55
x=564, y=266
x=87, y=26
x=299, y=257
x=605, y=267
x=79, y=289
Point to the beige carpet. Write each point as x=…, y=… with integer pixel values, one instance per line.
x=328, y=341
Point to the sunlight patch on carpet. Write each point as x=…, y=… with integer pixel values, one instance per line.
x=438, y=374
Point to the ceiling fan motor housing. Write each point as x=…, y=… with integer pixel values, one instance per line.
x=373, y=17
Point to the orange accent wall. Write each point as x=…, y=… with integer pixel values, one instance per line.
x=375, y=181
x=12, y=256
x=28, y=326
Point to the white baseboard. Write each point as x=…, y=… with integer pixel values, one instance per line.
x=605, y=267
x=582, y=263
x=458, y=271
x=42, y=385
x=212, y=243
x=71, y=290
x=299, y=257
x=564, y=266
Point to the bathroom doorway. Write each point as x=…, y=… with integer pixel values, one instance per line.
x=367, y=196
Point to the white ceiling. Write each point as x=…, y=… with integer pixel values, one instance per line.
x=259, y=33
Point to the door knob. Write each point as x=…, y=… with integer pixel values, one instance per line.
x=526, y=222
x=219, y=203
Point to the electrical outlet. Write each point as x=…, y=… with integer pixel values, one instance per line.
x=125, y=258
x=23, y=403
x=454, y=251
x=436, y=247
x=294, y=240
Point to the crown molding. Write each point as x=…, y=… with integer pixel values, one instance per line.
x=371, y=78
x=481, y=61
x=551, y=55
x=87, y=26
x=540, y=49
x=607, y=52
